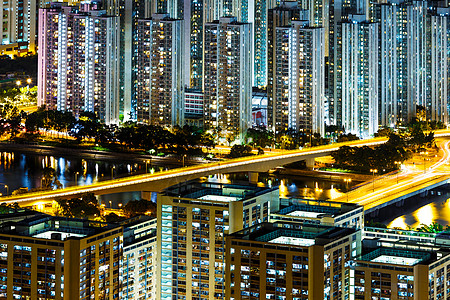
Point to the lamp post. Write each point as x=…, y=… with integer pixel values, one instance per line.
x=112, y=172
x=28, y=84
x=7, y=191
x=184, y=155
x=398, y=163
x=18, y=83
x=148, y=161
x=76, y=178
x=373, y=178
x=347, y=180
x=424, y=158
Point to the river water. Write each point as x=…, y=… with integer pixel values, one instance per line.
x=25, y=170
x=18, y=170
x=425, y=212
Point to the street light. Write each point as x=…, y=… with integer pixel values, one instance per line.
x=110, y=204
x=112, y=172
x=373, y=178
x=18, y=83
x=183, y=159
x=347, y=181
x=148, y=161
x=398, y=163
x=7, y=192
x=29, y=81
x=424, y=157
x=76, y=178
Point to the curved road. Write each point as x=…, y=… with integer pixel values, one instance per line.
x=161, y=180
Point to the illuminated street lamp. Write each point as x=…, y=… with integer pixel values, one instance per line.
x=28, y=84
x=148, y=161
x=398, y=163
x=347, y=181
x=184, y=156
x=76, y=178
x=6, y=187
x=112, y=172
x=18, y=83
x=373, y=178
x=424, y=153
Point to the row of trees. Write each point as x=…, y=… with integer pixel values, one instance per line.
x=130, y=135
x=291, y=139
x=383, y=157
x=86, y=207
x=23, y=65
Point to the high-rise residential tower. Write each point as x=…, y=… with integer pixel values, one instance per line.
x=414, y=62
x=289, y=260
x=279, y=21
x=193, y=221
x=299, y=69
x=307, y=80
x=440, y=63
x=227, y=77
x=260, y=19
x=159, y=71
x=394, y=106
x=19, y=24
x=356, y=78
x=60, y=258
x=78, y=64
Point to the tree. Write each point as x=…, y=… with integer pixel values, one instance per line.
x=260, y=137
x=49, y=179
x=240, y=151
x=87, y=126
x=139, y=207
x=85, y=207
x=432, y=228
x=386, y=131
x=113, y=218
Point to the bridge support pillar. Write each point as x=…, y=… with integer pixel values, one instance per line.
x=149, y=196
x=310, y=163
x=253, y=177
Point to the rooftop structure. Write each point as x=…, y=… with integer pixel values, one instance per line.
x=400, y=270
x=289, y=260
x=193, y=221
x=321, y=212
x=57, y=258
x=139, y=258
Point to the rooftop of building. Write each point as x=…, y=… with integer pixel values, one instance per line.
x=287, y=5
x=15, y=214
x=294, y=234
x=223, y=192
x=55, y=228
x=305, y=208
x=228, y=20
x=396, y=256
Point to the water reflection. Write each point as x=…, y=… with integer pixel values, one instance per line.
x=25, y=170
x=438, y=211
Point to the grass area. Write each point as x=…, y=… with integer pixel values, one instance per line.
x=60, y=142
x=338, y=170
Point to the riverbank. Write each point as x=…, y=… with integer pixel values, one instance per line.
x=332, y=176
x=89, y=154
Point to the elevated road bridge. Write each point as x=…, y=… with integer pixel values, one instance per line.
x=159, y=181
